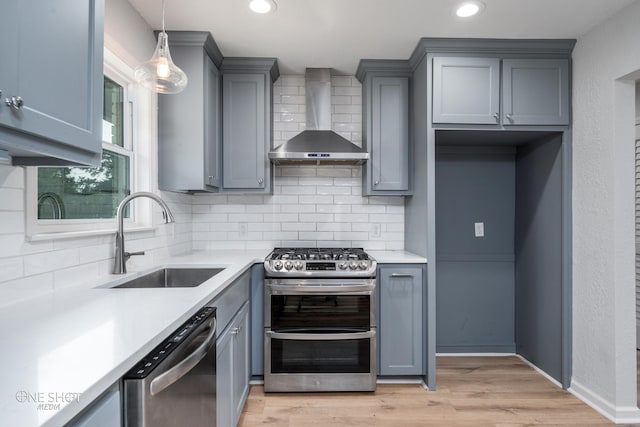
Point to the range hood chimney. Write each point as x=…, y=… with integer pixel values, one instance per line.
x=318, y=143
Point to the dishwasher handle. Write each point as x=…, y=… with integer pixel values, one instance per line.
x=169, y=377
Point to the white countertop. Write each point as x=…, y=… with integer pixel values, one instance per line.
x=397, y=257
x=67, y=347
x=78, y=342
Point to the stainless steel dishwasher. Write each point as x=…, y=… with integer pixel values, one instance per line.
x=175, y=384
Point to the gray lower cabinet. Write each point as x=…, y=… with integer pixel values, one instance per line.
x=189, y=123
x=105, y=411
x=247, y=87
x=467, y=90
x=51, y=82
x=385, y=89
x=401, y=331
x=233, y=369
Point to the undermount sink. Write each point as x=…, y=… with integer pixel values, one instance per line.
x=172, y=278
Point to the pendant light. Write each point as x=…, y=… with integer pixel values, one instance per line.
x=160, y=74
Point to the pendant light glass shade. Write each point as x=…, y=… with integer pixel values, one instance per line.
x=160, y=74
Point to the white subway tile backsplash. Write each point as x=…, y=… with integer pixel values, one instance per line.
x=299, y=189
x=12, y=222
x=12, y=199
x=51, y=261
x=315, y=235
x=316, y=218
x=334, y=226
x=11, y=268
x=299, y=226
x=11, y=177
x=333, y=208
x=315, y=199
x=327, y=190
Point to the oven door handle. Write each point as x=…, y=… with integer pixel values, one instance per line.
x=321, y=337
x=332, y=290
x=178, y=371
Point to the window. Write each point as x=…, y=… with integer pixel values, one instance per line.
x=77, y=199
x=92, y=193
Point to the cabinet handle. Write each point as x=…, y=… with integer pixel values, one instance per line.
x=397, y=275
x=15, y=102
x=260, y=180
x=510, y=117
x=496, y=116
x=377, y=182
x=235, y=331
x=210, y=179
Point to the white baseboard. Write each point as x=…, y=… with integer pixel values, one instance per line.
x=475, y=354
x=540, y=371
x=616, y=414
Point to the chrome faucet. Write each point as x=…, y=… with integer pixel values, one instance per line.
x=121, y=257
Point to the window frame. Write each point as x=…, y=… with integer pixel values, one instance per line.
x=138, y=107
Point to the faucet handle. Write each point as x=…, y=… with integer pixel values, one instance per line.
x=128, y=255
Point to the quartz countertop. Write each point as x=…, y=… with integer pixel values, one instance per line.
x=70, y=345
x=397, y=257
x=67, y=347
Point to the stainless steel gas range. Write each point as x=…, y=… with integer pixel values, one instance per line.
x=320, y=321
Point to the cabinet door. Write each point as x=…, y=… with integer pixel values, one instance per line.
x=105, y=411
x=212, y=123
x=244, y=138
x=224, y=379
x=59, y=72
x=466, y=90
x=241, y=361
x=8, y=62
x=400, y=318
x=535, y=91
x=390, y=134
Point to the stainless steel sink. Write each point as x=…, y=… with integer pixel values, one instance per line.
x=172, y=278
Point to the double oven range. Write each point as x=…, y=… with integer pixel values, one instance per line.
x=319, y=317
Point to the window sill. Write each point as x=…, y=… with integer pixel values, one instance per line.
x=86, y=233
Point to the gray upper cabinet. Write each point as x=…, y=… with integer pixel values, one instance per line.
x=189, y=140
x=469, y=90
x=51, y=79
x=385, y=90
x=247, y=123
x=535, y=91
x=466, y=90
x=401, y=330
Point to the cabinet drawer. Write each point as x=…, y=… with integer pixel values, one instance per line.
x=231, y=300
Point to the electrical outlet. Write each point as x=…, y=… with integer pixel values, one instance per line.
x=375, y=230
x=479, y=229
x=244, y=229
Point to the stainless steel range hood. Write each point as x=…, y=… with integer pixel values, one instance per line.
x=318, y=143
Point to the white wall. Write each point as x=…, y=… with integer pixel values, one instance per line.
x=317, y=206
x=603, y=215
x=31, y=268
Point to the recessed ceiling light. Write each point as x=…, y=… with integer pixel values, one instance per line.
x=263, y=6
x=469, y=8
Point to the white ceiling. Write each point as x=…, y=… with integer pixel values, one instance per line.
x=338, y=33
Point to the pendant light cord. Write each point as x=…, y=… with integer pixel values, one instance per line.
x=163, y=16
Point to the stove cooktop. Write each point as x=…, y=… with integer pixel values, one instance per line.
x=319, y=262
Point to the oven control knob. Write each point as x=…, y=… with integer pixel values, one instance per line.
x=363, y=265
x=277, y=265
x=288, y=265
x=343, y=265
x=298, y=265
x=353, y=265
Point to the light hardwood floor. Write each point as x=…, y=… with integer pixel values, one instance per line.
x=472, y=391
